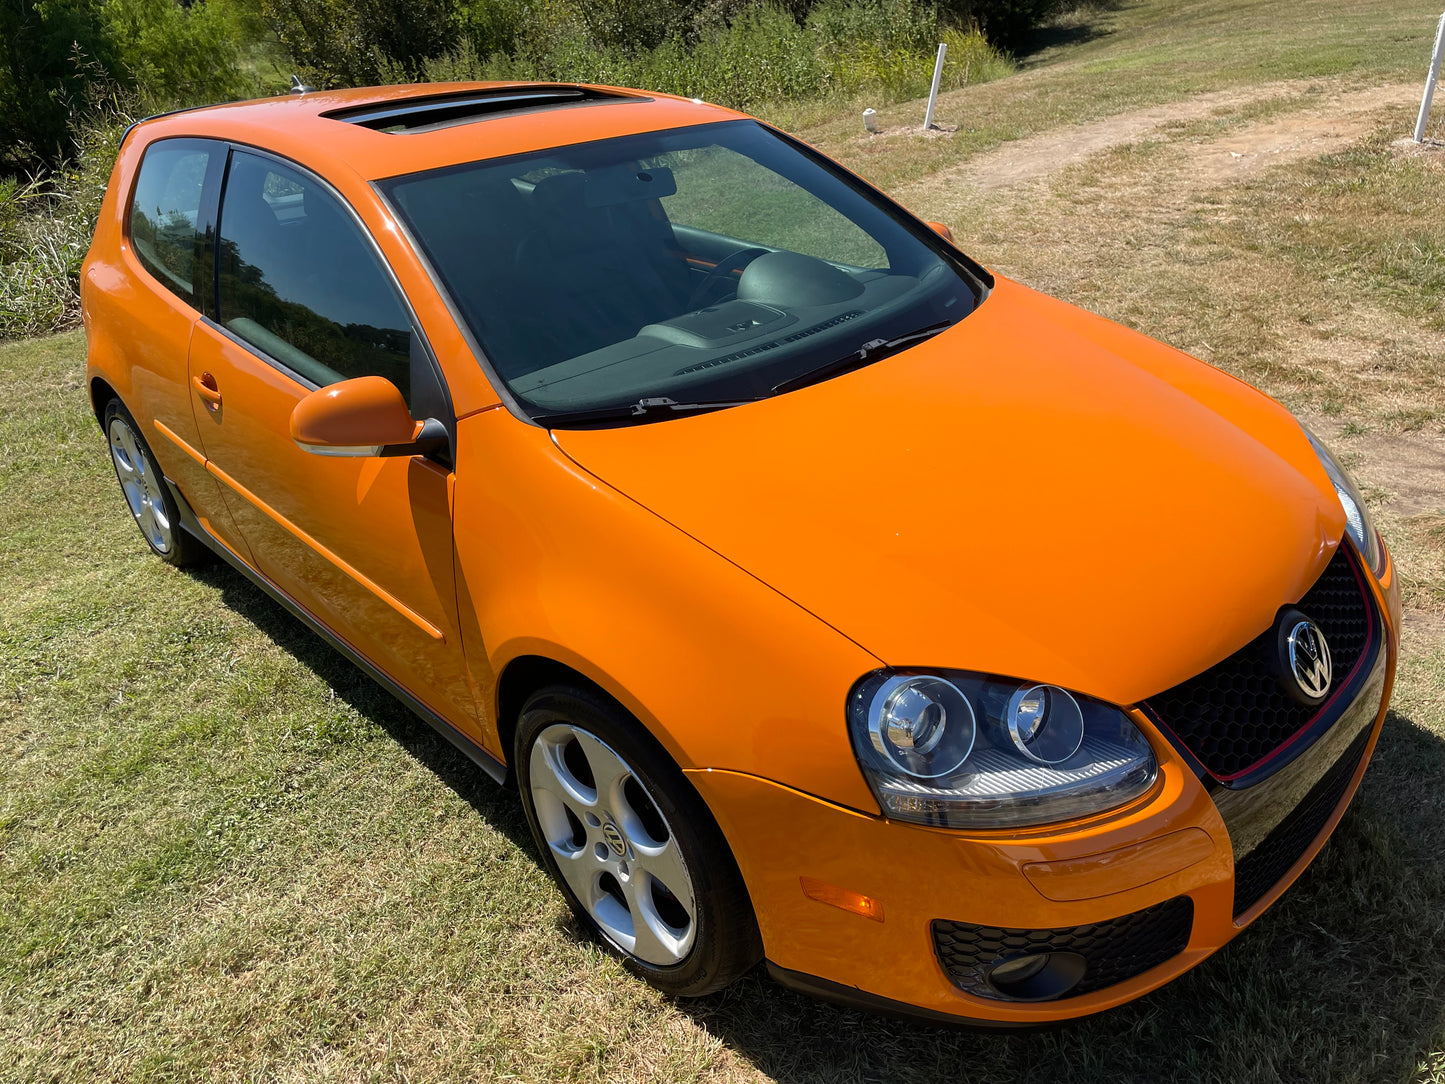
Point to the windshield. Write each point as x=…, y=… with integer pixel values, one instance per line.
x=694, y=267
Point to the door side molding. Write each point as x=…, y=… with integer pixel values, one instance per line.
x=281, y=521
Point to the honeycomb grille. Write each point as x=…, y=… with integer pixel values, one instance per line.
x=1113, y=951
x=1235, y=714
x=1262, y=869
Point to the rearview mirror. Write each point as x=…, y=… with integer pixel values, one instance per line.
x=942, y=230
x=365, y=416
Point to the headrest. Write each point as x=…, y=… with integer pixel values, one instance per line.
x=627, y=183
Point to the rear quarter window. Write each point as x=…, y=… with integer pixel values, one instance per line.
x=165, y=212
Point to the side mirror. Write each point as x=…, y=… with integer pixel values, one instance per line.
x=942, y=230
x=365, y=416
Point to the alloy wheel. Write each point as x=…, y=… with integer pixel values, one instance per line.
x=612, y=845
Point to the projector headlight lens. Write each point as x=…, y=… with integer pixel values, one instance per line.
x=963, y=750
x=1045, y=723
x=924, y=727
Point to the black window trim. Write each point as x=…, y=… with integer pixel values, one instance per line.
x=218, y=153
x=438, y=395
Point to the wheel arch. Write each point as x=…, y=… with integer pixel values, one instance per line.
x=736, y=943
x=526, y=673
x=101, y=393
x=107, y=376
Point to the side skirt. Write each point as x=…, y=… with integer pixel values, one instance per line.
x=474, y=752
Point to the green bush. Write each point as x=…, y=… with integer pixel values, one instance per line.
x=498, y=26
x=887, y=46
x=56, y=56
x=735, y=52
x=761, y=56
x=50, y=52
x=1006, y=23
x=358, y=42
x=174, y=55
x=890, y=25
x=45, y=230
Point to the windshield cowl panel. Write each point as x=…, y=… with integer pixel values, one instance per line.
x=713, y=264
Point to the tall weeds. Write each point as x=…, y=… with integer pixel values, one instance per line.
x=763, y=56
x=45, y=229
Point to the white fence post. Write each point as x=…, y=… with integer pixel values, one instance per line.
x=937, y=78
x=1430, y=81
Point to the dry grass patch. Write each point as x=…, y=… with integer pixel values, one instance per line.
x=1320, y=281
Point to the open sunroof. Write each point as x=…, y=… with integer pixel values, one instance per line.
x=440, y=110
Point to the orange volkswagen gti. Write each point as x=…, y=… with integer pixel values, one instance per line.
x=831, y=600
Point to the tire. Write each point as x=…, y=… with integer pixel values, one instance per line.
x=146, y=493
x=624, y=835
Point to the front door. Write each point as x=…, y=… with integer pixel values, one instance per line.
x=365, y=545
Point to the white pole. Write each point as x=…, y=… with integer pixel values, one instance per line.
x=938, y=77
x=1430, y=81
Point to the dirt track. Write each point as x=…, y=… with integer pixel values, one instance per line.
x=1333, y=121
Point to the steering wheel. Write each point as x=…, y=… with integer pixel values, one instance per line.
x=724, y=267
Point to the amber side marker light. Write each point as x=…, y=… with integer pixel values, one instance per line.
x=834, y=896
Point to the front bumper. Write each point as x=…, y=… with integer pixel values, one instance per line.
x=1110, y=890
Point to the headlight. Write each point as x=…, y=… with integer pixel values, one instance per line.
x=1357, y=517
x=960, y=750
x=924, y=726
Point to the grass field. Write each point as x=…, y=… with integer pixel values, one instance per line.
x=224, y=854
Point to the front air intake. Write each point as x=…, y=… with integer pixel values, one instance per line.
x=1087, y=958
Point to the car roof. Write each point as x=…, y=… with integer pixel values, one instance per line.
x=321, y=129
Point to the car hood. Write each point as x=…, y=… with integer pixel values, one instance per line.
x=1037, y=493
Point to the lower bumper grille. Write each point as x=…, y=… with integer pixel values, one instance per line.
x=1112, y=951
x=1263, y=868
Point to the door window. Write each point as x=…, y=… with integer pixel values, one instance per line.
x=164, y=211
x=299, y=280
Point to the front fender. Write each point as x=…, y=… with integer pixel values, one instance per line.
x=722, y=669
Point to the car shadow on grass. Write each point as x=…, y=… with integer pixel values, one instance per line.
x=1343, y=979
x=495, y=804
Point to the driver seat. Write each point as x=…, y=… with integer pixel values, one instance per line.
x=594, y=276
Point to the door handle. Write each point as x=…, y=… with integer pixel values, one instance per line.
x=205, y=386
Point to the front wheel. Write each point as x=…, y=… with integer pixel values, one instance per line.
x=631, y=845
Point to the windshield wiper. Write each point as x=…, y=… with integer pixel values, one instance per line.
x=649, y=409
x=634, y=411
x=872, y=350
